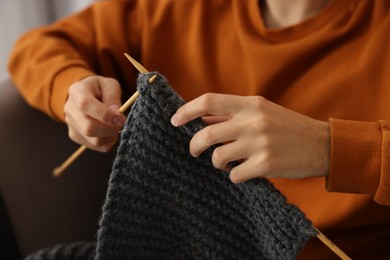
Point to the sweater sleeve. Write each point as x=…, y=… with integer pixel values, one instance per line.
x=360, y=158
x=47, y=60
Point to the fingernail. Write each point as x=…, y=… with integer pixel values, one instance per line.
x=174, y=120
x=233, y=177
x=118, y=120
x=194, y=155
x=115, y=107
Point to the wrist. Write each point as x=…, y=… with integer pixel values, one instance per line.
x=324, y=154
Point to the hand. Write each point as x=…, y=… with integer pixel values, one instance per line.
x=268, y=140
x=91, y=112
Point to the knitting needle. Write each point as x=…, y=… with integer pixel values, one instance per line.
x=319, y=235
x=60, y=169
x=331, y=245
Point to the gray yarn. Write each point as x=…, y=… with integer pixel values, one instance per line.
x=73, y=251
x=163, y=203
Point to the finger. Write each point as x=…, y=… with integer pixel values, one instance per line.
x=211, y=120
x=227, y=153
x=90, y=127
x=207, y=104
x=111, y=96
x=102, y=144
x=96, y=144
x=211, y=135
x=247, y=170
x=111, y=92
x=76, y=137
x=87, y=97
x=94, y=108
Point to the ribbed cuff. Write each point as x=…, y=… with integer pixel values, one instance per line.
x=61, y=84
x=355, y=156
x=382, y=195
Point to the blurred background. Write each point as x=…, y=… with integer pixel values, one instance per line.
x=18, y=16
x=37, y=210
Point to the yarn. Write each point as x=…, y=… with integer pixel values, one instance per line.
x=163, y=203
x=73, y=251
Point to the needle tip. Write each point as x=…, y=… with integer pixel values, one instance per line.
x=136, y=64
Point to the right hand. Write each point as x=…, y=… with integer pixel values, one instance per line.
x=91, y=112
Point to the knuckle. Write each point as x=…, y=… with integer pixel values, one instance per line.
x=258, y=125
x=268, y=146
x=82, y=103
x=106, y=116
x=264, y=158
x=194, y=145
x=111, y=82
x=106, y=148
x=263, y=124
x=76, y=88
x=218, y=159
x=207, y=135
x=88, y=128
x=103, y=149
x=72, y=135
x=259, y=102
x=265, y=165
x=96, y=142
x=72, y=89
x=236, y=176
x=67, y=120
x=66, y=108
x=111, y=87
x=106, y=145
x=206, y=100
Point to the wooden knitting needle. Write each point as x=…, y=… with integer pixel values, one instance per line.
x=319, y=235
x=60, y=169
x=331, y=245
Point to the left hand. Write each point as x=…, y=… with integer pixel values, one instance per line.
x=269, y=140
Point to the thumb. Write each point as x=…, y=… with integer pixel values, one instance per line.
x=111, y=96
x=111, y=92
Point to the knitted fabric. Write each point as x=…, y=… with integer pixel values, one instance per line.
x=164, y=203
x=73, y=251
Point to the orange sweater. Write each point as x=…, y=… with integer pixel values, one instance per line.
x=334, y=65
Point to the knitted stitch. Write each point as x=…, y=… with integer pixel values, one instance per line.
x=164, y=203
x=73, y=251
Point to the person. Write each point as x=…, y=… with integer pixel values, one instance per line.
x=297, y=91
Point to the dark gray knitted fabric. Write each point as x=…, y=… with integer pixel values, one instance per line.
x=73, y=251
x=163, y=203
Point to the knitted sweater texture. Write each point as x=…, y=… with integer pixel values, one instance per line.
x=164, y=203
x=73, y=251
